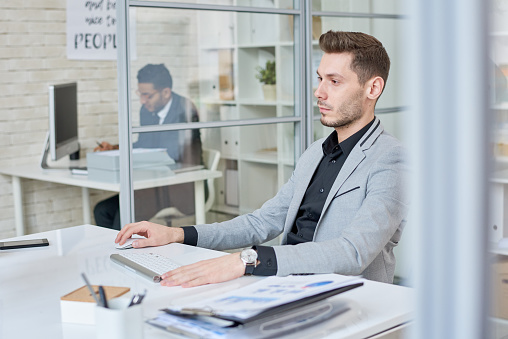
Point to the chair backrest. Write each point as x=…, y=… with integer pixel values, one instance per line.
x=211, y=158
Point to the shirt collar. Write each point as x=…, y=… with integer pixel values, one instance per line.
x=346, y=145
x=164, y=111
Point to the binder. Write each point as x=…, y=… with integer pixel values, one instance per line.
x=269, y=308
x=330, y=314
x=267, y=312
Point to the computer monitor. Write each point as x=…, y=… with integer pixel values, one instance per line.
x=62, y=138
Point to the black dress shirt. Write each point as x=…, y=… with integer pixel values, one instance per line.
x=334, y=157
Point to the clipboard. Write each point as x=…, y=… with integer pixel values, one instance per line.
x=190, y=312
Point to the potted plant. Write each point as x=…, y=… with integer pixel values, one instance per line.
x=267, y=77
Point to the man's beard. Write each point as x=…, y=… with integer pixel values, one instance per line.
x=349, y=112
x=156, y=108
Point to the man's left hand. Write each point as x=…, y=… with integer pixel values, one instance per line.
x=204, y=272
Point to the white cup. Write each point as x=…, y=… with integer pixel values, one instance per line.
x=119, y=321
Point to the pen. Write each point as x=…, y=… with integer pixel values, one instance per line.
x=102, y=293
x=90, y=288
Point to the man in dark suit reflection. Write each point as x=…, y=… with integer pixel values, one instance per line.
x=160, y=105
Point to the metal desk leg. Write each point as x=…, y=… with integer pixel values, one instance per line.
x=85, y=197
x=17, y=192
x=199, y=201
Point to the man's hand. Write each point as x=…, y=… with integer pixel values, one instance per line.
x=105, y=146
x=156, y=235
x=210, y=271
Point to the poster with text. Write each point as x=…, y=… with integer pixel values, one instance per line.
x=91, y=30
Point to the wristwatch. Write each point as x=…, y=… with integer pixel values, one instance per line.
x=249, y=258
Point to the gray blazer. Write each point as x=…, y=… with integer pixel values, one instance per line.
x=361, y=222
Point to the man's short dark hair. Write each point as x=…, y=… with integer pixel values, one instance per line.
x=158, y=75
x=369, y=56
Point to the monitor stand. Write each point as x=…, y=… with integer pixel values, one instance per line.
x=45, y=151
x=44, y=158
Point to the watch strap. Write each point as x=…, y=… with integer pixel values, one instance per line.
x=249, y=269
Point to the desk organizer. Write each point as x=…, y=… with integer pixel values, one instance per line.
x=78, y=306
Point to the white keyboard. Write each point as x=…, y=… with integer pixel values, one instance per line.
x=149, y=265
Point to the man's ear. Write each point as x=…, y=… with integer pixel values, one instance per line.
x=375, y=87
x=166, y=93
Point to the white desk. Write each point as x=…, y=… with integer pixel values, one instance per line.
x=33, y=171
x=34, y=279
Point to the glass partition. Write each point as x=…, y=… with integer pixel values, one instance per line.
x=236, y=86
x=222, y=65
x=252, y=163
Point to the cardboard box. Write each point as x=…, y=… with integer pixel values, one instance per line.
x=78, y=306
x=500, y=287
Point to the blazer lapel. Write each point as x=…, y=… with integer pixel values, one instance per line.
x=354, y=159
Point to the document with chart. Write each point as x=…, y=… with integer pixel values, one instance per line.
x=270, y=296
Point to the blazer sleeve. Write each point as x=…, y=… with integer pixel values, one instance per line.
x=250, y=229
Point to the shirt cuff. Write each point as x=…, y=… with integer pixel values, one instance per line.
x=267, y=261
x=190, y=235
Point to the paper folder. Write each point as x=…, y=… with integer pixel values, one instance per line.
x=267, y=312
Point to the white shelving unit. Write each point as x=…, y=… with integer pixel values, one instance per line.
x=498, y=213
x=256, y=160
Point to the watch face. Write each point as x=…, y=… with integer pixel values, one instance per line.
x=249, y=256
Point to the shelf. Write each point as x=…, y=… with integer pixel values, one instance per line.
x=501, y=159
x=500, y=177
x=212, y=101
x=261, y=157
x=287, y=162
x=493, y=247
x=228, y=157
x=233, y=210
x=247, y=102
x=256, y=102
x=216, y=48
x=267, y=44
x=499, y=34
x=502, y=106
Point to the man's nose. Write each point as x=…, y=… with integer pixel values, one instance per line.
x=319, y=92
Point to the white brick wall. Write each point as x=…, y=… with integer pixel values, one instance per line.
x=32, y=57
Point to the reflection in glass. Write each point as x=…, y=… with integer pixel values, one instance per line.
x=215, y=59
x=247, y=156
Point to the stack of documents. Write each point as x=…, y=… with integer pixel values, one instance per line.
x=271, y=307
x=147, y=163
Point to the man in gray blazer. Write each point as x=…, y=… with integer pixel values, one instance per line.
x=342, y=211
x=160, y=105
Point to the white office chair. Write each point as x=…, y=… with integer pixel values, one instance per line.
x=171, y=216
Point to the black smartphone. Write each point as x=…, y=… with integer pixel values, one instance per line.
x=9, y=245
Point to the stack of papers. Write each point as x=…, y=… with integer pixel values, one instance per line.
x=147, y=163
